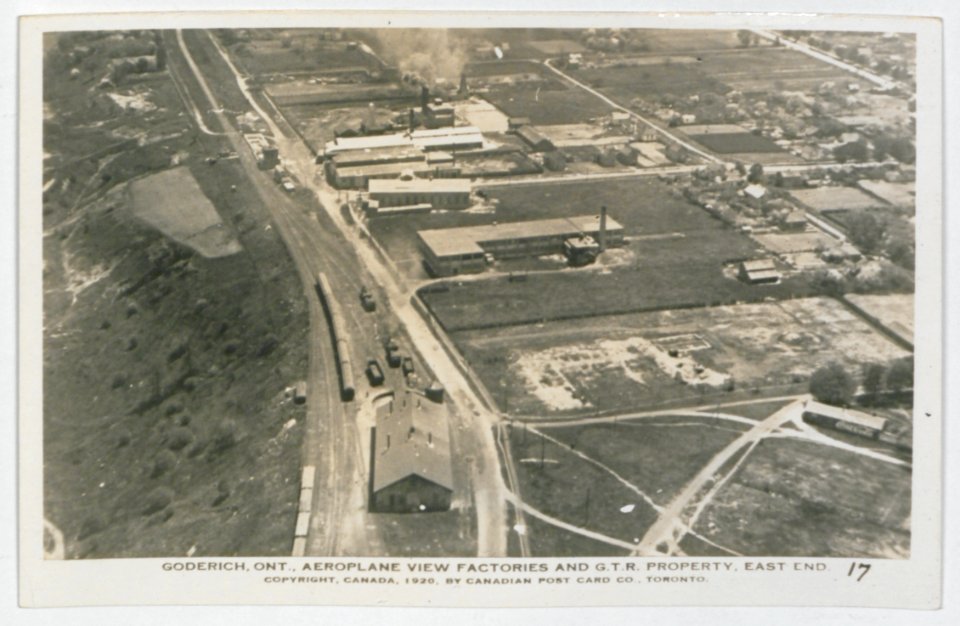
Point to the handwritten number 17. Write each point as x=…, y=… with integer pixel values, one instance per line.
x=863, y=567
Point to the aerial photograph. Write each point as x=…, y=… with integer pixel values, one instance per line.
x=504, y=292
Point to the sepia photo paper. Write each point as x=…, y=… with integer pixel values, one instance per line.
x=480, y=309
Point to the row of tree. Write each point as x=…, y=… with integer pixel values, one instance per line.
x=833, y=384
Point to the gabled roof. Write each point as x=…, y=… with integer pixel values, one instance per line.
x=412, y=439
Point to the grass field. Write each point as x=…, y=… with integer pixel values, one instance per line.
x=608, y=363
x=304, y=53
x=646, y=207
x=164, y=411
x=577, y=492
x=172, y=202
x=794, y=498
x=732, y=143
x=553, y=103
x=657, y=455
x=547, y=540
x=581, y=294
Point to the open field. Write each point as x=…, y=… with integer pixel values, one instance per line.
x=173, y=203
x=793, y=498
x=748, y=70
x=551, y=541
x=568, y=488
x=896, y=194
x=736, y=143
x=318, y=123
x=159, y=434
x=790, y=243
x=297, y=50
x=623, y=362
x=552, y=103
x=895, y=311
x=647, y=209
x=656, y=455
x=835, y=198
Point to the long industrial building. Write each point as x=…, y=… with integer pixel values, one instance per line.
x=447, y=138
x=440, y=193
x=452, y=251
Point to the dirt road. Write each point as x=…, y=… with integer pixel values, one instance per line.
x=663, y=537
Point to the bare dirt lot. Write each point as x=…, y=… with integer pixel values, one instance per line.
x=894, y=310
x=793, y=498
x=624, y=362
x=173, y=203
x=835, y=198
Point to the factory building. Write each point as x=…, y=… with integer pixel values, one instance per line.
x=440, y=193
x=438, y=114
x=537, y=141
x=410, y=466
x=452, y=251
x=446, y=139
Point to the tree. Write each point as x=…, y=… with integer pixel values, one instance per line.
x=873, y=378
x=852, y=151
x=866, y=231
x=832, y=384
x=756, y=173
x=900, y=374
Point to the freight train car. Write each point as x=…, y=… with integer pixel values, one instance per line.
x=338, y=335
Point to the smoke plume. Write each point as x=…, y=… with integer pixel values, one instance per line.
x=428, y=54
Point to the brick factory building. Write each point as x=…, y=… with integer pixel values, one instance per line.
x=465, y=250
x=440, y=193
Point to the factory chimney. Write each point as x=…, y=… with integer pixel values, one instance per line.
x=412, y=121
x=463, y=84
x=424, y=97
x=603, y=229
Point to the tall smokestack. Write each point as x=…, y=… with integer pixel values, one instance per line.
x=412, y=125
x=463, y=84
x=424, y=97
x=603, y=228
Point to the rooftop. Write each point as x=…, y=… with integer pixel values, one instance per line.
x=365, y=155
x=468, y=239
x=412, y=439
x=847, y=415
x=419, y=185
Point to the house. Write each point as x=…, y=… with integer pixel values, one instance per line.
x=795, y=220
x=410, y=466
x=759, y=272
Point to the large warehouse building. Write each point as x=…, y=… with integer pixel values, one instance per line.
x=452, y=251
x=440, y=193
x=411, y=468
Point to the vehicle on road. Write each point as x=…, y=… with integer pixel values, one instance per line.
x=374, y=373
x=366, y=300
x=393, y=353
x=407, y=367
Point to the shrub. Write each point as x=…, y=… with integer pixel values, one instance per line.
x=157, y=500
x=163, y=463
x=179, y=439
x=196, y=449
x=123, y=438
x=118, y=381
x=225, y=436
x=832, y=384
x=173, y=408
x=91, y=526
